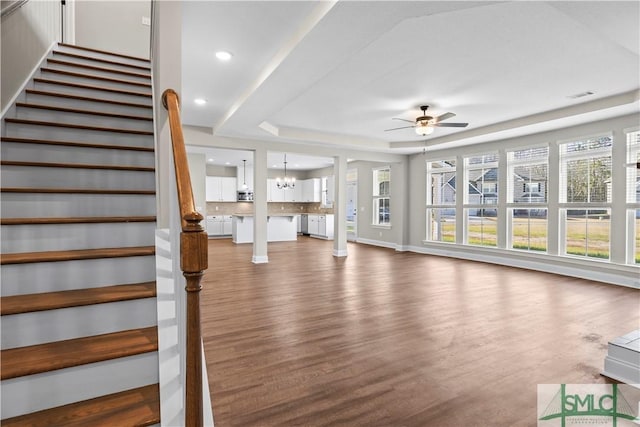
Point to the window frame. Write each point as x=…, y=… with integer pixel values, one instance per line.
x=378, y=198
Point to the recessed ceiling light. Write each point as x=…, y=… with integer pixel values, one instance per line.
x=200, y=101
x=227, y=163
x=209, y=160
x=223, y=55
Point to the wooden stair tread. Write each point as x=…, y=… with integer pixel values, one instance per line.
x=95, y=68
x=17, y=304
x=74, y=126
x=135, y=407
x=79, y=111
x=77, y=166
x=105, y=61
x=91, y=87
x=35, y=359
x=75, y=144
x=90, y=49
x=76, y=220
x=90, y=76
x=75, y=254
x=85, y=98
x=74, y=191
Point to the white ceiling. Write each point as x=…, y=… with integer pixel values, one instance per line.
x=338, y=72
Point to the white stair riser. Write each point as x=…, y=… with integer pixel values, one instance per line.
x=110, y=73
x=101, y=55
x=80, y=155
x=59, y=237
x=87, y=80
x=21, y=330
x=78, y=135
x=95, y=105
x=92, y=62
x=82, y=119
x=16, y=205
x=93, y=93
x=42, y=391
x=23, y=279
x=44, y=177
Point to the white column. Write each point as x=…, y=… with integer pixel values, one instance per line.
x=260, y=206
x=340, y=206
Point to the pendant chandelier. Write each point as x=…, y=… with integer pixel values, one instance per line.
x=285, y=182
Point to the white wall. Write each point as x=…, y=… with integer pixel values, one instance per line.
x=114, y=26
x=25, y=37
x=197, y=170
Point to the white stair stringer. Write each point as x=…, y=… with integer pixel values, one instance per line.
x=89, y=133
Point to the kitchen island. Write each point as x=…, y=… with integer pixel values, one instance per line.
x=280, y=228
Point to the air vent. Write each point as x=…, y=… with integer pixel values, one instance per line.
x=580, y=95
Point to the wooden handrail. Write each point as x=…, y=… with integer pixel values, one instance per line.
x=193, y=261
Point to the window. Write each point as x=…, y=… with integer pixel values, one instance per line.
x=381, y=199
x=585, y=194
x=441, y=201
x=481, y=198
x=527, y=185
x=633, y=196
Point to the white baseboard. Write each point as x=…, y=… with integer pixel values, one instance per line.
x=380, y=243
x=340, y=253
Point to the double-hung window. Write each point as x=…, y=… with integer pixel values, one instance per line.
x=381, y=196
x=633, y=197
x=528, y=175
x=481, y=199
x=441, y=201
x=585, y=196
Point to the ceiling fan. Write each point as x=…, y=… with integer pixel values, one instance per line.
x=424, y=125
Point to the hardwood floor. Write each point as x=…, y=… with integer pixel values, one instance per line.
x=384, y=338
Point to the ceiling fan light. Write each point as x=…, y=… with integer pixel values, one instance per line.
x=424, y=130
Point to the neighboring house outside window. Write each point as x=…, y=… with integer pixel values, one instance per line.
x=481, y=199
x=381, y=196
x=441, y=201
x=528, y=170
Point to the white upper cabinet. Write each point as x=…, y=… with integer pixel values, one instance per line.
x=310, y=190
x=221, y=189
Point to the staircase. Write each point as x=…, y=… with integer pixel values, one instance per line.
x=78, y=298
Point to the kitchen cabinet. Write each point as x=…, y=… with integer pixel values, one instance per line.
x=274, y=194
x=310, y=190
x=320, y=226
x=221, y=189
x=312, y=224
x=219, y=225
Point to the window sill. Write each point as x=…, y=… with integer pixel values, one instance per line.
x=383, y=226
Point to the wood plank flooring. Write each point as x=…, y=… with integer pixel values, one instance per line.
x=383, y=338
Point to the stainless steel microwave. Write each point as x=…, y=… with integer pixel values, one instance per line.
x=245, y=196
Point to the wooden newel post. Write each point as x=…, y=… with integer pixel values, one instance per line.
x=193, y=242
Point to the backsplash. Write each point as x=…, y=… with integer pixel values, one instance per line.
x=230, y=208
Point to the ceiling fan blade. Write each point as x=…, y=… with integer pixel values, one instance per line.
x=404, y=127
x=444, y=116
x=451, y=125
x=404, y=120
